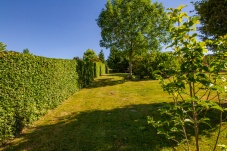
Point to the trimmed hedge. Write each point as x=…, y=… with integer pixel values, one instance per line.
x=29, y=87
x=100, y=69
x=85, y=70
x=88, y=70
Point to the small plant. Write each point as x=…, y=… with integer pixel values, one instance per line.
x=196, y=86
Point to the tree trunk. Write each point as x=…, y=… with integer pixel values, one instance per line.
x=130, y=66
x=196, y=128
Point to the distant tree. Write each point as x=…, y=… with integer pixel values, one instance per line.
x=117, y=61
x=213, y=18
x=132, y=26
x=26, y=51
x=101, y=56
x=76, y=58
x=2, y=46
x=90, y=55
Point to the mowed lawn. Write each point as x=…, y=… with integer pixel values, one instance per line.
x=110, y=115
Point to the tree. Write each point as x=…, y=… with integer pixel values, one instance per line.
x=213, y=18
x=101, y=56
x=196, y=86
x=132, y=26
x=90, y=55
x=2, y=46
x=117, y=61
x=87, y=66
x=26, y=51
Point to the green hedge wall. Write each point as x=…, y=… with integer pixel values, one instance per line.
x=29, y=86
x=85, y=72
x=99, y=69
x=88, y=70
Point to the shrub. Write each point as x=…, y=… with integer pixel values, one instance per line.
x=155, y=61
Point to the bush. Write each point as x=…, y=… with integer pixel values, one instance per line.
x=163, y=63
x=31, y=85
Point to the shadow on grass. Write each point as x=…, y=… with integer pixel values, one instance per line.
x=112, y=130
x=119, y=129
x=123, y=75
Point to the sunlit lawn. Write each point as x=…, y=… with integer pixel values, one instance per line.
x=110, y=115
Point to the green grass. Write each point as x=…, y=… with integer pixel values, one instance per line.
x=109, y=115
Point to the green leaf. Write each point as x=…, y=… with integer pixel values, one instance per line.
x=161, y=131
x=180, y=7
x=188, y=121
x=217, y=107
x=205, y=121
x=205, y=68
x=174, y=129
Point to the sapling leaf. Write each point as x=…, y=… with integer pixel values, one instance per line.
x=174, y=129
x=170, y=137
x=217, y=107
x=150, y=120
x=188, y=121
x=205, y=121
x=161, y=130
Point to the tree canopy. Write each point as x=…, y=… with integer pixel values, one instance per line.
x=213, y=18
x=132, y=26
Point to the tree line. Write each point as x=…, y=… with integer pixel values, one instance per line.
x=135, y=29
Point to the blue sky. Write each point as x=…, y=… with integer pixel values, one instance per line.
x=56, y=28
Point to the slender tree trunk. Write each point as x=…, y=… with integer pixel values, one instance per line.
x=196, y=127
x=220, y=126
x=130, y=66
x=195, y=116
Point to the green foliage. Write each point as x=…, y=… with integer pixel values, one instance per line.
x=89, y=68
x=117, y=61
x=100, y=69
x=148, y=65
x=2, y=46
x=132, y=26
x=90, y=55
x=30, y=86
x=197, y=86
x=212, y=17
x=26, y=51
x=101, y=56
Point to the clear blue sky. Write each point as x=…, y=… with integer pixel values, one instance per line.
x=56, y=28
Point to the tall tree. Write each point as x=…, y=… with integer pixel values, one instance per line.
x=213, y=18
x=132, y=26
x=101, y=56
